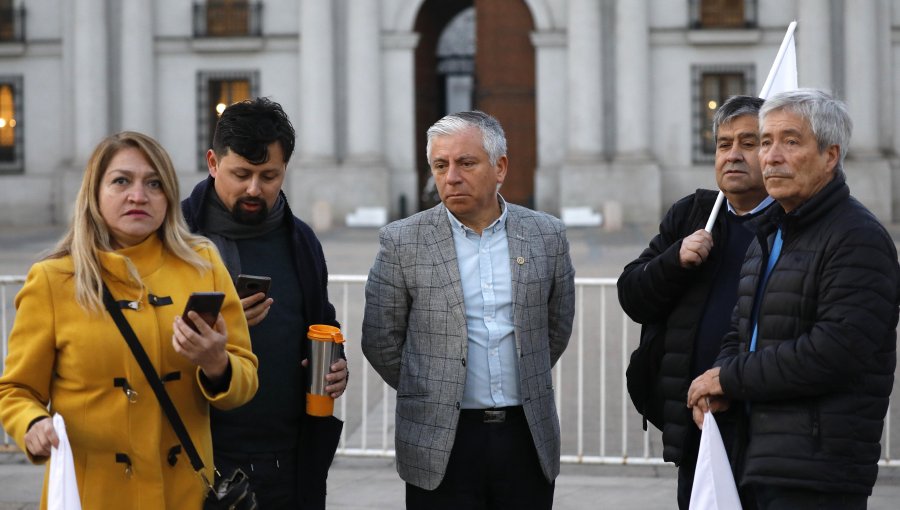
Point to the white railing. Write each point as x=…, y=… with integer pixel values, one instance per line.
x=597, y=420
x=6, y=310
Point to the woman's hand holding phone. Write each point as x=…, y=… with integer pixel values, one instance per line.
x=198, y=341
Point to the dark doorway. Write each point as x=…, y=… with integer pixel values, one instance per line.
x=476, y=54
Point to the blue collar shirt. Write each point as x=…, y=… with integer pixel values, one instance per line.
x=762, y=205
x=492, y=378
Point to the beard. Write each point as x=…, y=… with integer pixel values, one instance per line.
x=250, y=217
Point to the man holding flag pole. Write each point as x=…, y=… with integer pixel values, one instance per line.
x=811, y=351
x=812, y=348
x=684, y=284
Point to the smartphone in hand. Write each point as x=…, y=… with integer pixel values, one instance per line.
x=248, y=285
x=207, y=306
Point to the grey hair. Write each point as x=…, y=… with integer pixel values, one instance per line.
x=828, y=117
x=734, y=107
x=493, y=139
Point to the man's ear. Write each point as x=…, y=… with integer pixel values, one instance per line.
x=212, y=163
x=833, y=153
x=502, y=166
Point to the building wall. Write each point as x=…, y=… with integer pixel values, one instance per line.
x=343, y=69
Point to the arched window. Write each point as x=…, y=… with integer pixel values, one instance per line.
x=456, y=61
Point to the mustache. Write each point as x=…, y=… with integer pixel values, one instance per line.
x=776, y=172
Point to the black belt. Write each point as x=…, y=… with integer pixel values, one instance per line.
x=493, y=415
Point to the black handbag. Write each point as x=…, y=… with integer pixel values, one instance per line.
x=229, y=493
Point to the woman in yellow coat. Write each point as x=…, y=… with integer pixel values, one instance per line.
x=65, y=352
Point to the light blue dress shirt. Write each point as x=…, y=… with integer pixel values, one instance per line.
x=492, y=373
x=762, y=205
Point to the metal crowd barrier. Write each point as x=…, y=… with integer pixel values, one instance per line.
x=598, y=423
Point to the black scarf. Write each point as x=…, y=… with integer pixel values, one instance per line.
x=223, y=230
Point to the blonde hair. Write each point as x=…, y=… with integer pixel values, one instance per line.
x=88, y=234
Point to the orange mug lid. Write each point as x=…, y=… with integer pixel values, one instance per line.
x=325, y=333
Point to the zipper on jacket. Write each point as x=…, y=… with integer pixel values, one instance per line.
x=814, y=418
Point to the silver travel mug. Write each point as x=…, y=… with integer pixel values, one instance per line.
x=324, y=349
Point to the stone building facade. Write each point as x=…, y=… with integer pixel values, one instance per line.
x=606, y=102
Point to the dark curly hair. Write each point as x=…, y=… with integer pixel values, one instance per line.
x=249, y=127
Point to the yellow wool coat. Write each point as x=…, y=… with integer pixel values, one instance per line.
x=76, y=361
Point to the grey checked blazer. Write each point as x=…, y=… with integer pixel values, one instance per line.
x=415, y=335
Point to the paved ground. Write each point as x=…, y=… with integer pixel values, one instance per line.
x=372, y=483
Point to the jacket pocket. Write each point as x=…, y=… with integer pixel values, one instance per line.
x=412, y=394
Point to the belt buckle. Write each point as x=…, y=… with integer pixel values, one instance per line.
x=491, y=416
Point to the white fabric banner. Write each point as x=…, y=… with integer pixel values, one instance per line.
x=714, y=487
x=783, y=73
x=62, y=489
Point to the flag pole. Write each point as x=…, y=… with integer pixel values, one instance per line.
x=764, y=93
x=715, y=212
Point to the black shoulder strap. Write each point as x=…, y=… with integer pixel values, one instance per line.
x=156, y=384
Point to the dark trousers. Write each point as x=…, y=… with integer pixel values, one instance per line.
x=769, y=497
x=273, y=476
x=491, y=466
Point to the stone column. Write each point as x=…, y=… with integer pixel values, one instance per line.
x=868, y=172
x=813, y=38
x=585, y=84
x=552, y=128
x=90, y=77
x=632, y=80
x=863, y=74
x=626, y=189
x=400, y=119
x=366, y=182
x=138, y=67
x=315, y=187
x=85, y=111
x=316, y=124
x=364, y=66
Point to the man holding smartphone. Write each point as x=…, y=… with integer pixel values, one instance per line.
x=242, y=209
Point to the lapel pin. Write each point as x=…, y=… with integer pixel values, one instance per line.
x=520, y=260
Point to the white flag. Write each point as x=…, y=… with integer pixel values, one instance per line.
x=782, y=77
x=783, y=74
x=62, y=488
x=714, y=487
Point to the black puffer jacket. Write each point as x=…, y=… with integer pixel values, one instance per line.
x=818, y=384
x=655, y=289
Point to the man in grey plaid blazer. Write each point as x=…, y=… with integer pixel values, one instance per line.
x=468, y=306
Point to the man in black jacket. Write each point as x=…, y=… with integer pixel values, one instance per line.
x=241, y=208
x=812, y=350
x=685, y=282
